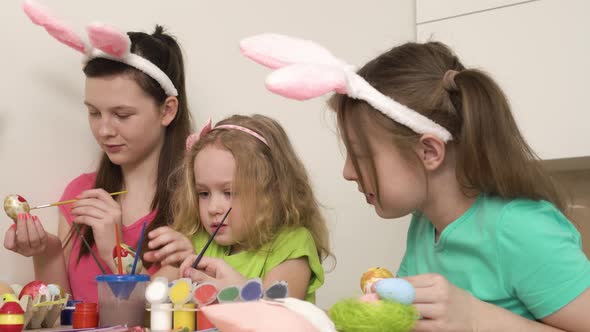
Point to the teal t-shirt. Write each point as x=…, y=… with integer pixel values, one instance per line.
x=289, y=244
x=522, y=255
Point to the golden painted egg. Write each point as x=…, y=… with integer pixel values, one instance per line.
x=373, y=275
x=15, y=205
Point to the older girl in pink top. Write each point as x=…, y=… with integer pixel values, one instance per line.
x=138, y=114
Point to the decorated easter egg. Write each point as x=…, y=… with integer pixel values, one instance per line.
x=374, y=274
x=33, y=289
x=15, y=205
x=55, y=290
x=127, y=258
x=9, y=297
x=12, y=316
x=395, y=289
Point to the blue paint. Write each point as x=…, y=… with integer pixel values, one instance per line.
x=252, y=290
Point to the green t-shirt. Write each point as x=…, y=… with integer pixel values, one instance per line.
x=521, y=255
x=289, y=244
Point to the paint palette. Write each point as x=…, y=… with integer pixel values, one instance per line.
x=182, y=291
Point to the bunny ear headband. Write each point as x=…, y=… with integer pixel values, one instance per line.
x=306, y=70
x=193, y=138
x=105, y=42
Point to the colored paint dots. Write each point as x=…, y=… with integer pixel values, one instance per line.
x=180, y=292
x=278, y=290
x=252, y=290
x=229, y=294
x=205, y=293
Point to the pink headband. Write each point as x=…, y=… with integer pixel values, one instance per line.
x=105, y=42
x=307, y=70
x=193, y=138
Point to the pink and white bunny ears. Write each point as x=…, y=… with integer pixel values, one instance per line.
x=105, y=42
x=306, y=70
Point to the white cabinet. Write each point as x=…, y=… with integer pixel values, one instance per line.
x=539, y=52
x=430, y=10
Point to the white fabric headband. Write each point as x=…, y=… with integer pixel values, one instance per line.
x=306, y=70
x=105, y=42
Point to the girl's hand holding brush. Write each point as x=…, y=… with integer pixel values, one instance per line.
x=168, y=247
x=97, y=209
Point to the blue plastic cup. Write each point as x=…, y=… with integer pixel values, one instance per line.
x=121, y=299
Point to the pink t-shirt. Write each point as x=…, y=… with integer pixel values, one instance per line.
x=81, y=274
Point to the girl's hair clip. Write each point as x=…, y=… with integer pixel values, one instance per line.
x=307, y=70
x=105, y=42
x=194, y=138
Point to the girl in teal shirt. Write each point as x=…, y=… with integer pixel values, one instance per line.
x=489, y=247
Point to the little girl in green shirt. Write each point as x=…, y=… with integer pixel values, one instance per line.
x=275, y=230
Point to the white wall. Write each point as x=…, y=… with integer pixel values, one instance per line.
x=44, y=136
x=539, y=53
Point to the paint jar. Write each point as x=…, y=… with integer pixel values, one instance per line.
x=67, y=313
x=85, y=315
x=184, y=319
x=121, y=299
x=202, y=322
x=161, y=317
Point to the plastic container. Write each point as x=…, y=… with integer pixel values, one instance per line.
x=85, y=315
x=184, y=320
x=161, y=317
x=121, y=299
x=202, y=322
x=67, y=313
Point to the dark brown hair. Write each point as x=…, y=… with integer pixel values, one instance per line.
x=492, y=155
x=162, y=50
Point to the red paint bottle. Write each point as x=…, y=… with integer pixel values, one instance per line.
x=85, y=315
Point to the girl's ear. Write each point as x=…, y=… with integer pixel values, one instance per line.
x=432, y=151
x=169, y=111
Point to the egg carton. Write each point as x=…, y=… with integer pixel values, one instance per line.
x=42, y=311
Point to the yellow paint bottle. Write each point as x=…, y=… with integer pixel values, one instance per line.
x=184, y=319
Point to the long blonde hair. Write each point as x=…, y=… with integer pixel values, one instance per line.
x=272, y=184
x=492, y=155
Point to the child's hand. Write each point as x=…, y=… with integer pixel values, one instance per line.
x=97, y=209
x=28, y=237
x=168, y=246
x=213, y=270
x=442, y=305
